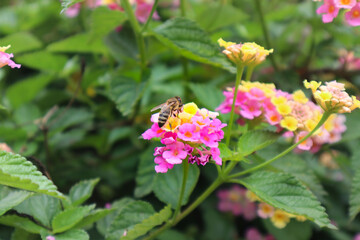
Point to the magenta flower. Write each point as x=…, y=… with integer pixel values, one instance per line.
x=188, y=132
x=73, y=10
x=5, y=58
x=163, y=165
x=253, y=234
x=195, y=134
x=345, y=3
x=353, y=16
x=235, y=201
x=329, y=11
x=50, y=238
x=143, y=11
x=175, y=153
x=307, y=144
x=251, y=109
x=357, y=236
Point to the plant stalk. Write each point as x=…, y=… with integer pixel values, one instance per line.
x=325, y=116
x=266, y=32
x=137, y=31
x=240, y=70
x=150, y=16
x=183, y=186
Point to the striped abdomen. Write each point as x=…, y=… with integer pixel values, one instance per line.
x=164, y=115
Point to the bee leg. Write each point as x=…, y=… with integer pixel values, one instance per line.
x=170, y=126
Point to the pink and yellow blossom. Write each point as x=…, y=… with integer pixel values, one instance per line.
x=193, y=134
x=5, y=58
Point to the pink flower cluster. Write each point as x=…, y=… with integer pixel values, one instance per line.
x=330, y=10
x=235, y=201
x=252, y=102
x=293, y=113
x=254, y=234
x=348, y=61
x=195, y=134
x=5, y=58
x=142, y=11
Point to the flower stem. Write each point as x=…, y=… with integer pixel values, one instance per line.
x=249, y=72
x=183, y=185
x=182, y=8
x=325, y=116
x=137, y=31
x=240, y=70
x=150, y=16
x=266, y=32
x=188, y=210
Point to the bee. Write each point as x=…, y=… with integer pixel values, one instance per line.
x=172, y=107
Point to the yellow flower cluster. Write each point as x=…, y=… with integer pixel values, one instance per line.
x=246, y=54
x=297, y=111
x=332, y=97
x=278, y=217
x=189, y=110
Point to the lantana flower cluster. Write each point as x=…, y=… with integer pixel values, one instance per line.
x=5, y=58
x=330, y=9
x=244, y=54
x=240, y=201
x=294, y=113
x=348, y=60
x=142, y=8
x=193, y=134
x=235, y=201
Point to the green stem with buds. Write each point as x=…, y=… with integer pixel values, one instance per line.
x=137, y=31
x=325, y=116
x=150, y=16
x=265, y=31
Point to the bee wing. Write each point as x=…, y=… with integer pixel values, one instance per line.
x=157, y=107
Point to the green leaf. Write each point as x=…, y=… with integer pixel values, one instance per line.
x=132, y=214
x=21, y=234
x=255, y=140
x=43, y=60
x=173, y=235
x=80, y=43
x=227, y=154
x=209, y=96
x=82, y=191
x=21, y=42
x=297, y=167
x=105, y=20
x=187, y=38
x=70, y=217
x=73, y=234
x=285, y=192
x=94, y=216
x=125, y=93
x=167, y=185
x=16, y=171
x=103, y=224
x=42, y=207
x=27, y=89
x=145, y=174
x=217, y=15
x=355, y=195
x=148, y=224
x=10, y=198
x=21, y=222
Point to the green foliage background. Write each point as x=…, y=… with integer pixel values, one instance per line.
x=89, y=127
